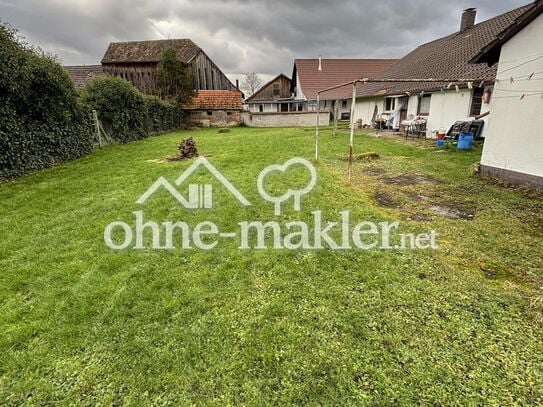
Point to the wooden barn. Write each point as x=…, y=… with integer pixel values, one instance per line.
x=137, y=62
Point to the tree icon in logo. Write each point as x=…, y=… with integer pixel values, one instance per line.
x=296, y=194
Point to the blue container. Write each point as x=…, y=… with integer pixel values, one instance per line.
x=440, y=143
x=465, y=141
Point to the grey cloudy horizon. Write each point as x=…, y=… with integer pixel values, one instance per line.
x=262, y=36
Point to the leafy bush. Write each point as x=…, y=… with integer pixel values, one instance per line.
x=42, y=121
x=120, y=107
x=162, y=116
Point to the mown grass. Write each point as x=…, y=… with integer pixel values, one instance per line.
x=85, y=325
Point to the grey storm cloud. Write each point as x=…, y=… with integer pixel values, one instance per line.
x=262, y=36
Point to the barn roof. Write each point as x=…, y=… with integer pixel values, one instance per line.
x=149, y=51
x=81, y=74
x=216, y=100
x=334, y=72
x=447, y=57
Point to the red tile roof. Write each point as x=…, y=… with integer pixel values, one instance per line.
x=149, y=51
x=447, y=57
x=334, y=72
x=216, y=100
x=82, y=73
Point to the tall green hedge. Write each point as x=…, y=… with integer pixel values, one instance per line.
x=127, y=114
x=162, y=116
x=42, y=122
x=120, y=107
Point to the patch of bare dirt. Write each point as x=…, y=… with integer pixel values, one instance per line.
x=409, y=179
x=419, y=217
x=452, y=211
x=385, y=199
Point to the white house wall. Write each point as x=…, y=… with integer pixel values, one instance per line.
x=364, y=109
x=445, y=109
x=513, y=139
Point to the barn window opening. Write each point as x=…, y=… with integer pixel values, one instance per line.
x=261, y=108
x=209, y=113
x=276, y=90
x=343, y=104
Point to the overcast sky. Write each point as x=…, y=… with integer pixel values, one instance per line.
x=262, y=36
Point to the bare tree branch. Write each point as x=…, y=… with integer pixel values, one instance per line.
x=251, y=83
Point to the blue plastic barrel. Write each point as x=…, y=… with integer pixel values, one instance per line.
x=465, y=141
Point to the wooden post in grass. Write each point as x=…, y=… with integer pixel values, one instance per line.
x=336, y=112
x=317, y=128
x=97, y=127
x=351, y=139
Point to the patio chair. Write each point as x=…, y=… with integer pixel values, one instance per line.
x=416, y=128
x=420, y=128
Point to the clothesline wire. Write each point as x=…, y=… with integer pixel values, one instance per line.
x=524, y=63
x=517, y=90
x=522, y=77
x=525, y=95
x=518, y=59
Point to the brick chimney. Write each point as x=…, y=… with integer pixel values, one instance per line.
x=468, y=19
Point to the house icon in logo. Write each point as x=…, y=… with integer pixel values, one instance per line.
x=200, y=196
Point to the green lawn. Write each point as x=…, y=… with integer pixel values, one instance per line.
x=82, y=324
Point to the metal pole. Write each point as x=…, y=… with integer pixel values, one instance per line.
x=351, y=140
x=317, y=128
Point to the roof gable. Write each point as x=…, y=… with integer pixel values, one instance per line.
x=149, y=51
x=263, y=87
x=447, y=57
x=491, y=53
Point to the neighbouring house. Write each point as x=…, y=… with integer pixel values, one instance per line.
x=310, y=76
x=81, y=74
x=441, y=104
x=513, y=148
x=216, y=108
x=274, y=96
x=137, y=62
